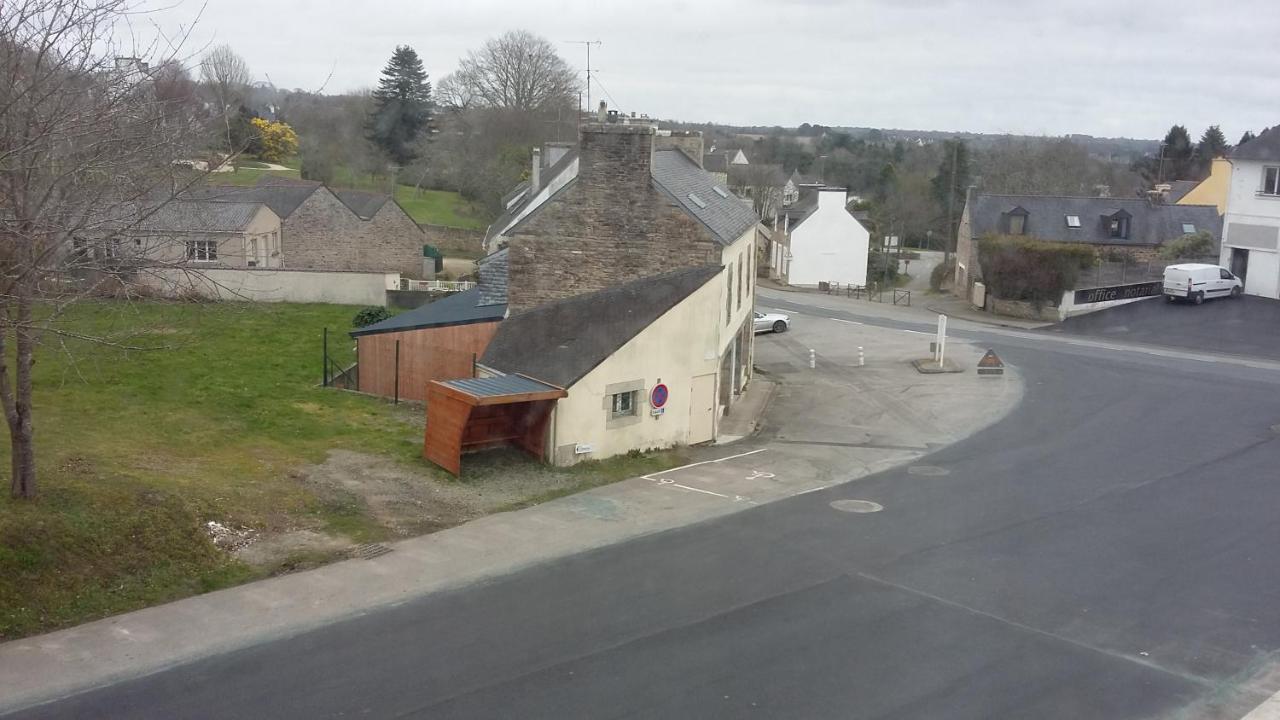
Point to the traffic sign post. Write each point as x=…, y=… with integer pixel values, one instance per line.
x=940, y=343
x=658, y=399
x=991, y=364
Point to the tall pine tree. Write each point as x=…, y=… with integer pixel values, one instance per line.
x=1213, y=144
x=402, y=107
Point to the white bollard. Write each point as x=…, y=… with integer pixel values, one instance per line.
x=862, y=360
x=813, y=359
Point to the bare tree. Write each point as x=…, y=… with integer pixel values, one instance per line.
x=226, y=74
x=87, y=157
x=761, y=183
x=518, y=71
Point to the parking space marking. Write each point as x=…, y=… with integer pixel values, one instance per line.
x=654, y=476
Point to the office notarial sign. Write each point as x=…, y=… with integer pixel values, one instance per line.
x=1119, y=292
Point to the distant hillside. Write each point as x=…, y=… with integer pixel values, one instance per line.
x=1119, y=150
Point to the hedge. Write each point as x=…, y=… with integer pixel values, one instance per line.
x=1016, y=267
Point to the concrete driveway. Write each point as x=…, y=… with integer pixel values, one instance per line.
x=1246, y=325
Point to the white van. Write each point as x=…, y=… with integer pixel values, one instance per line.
x=1197, y=283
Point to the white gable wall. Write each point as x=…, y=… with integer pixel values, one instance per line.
x=829, y=246
x=1252, y=226
x=680, y=345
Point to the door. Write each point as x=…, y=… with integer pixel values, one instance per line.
x=702, y=409
x=1240, y=263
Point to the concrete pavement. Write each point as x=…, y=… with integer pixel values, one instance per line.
x=829, y=425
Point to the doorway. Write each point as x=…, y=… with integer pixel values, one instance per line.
x=702, y=409
x=1239, y=263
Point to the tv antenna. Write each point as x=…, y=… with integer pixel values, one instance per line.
x=587, y=44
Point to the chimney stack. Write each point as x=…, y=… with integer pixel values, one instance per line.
x=535, y=172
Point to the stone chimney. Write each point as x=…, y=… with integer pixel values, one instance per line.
x=535, y=172
x=615, y=158
x=688, y=142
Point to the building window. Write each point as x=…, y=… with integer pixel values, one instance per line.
x=624, y=404
x=740, y=264
x=728, y=298
x=1188, y=229
x=1073, y=221
x=1017, y=224
x=1118, y=227
x=1271, y=181
x=202, y=250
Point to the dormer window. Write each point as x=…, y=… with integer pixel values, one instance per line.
x=1073, y=221
x=1116, y=223
x=1015, y=221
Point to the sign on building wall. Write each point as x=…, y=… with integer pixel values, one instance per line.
x=1119, y=292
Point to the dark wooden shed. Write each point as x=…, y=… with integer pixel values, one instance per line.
x=478, y=413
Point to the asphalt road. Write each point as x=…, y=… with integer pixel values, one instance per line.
x=1106, y=551
x=1246, y=325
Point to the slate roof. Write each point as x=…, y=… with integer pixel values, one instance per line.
x=457, y=309
x=515, y=192
x=726, y=217
x=717, y=162
x=195, y=216
x=562, y=341
x=493, y=279
x=362, y=202
x=501, y=385
x=1178, y=189
x=1264, y=148
x=1150, y=224
x=505, y=219
x=282, y=195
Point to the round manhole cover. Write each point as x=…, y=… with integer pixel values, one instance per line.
x=932, y=470
x=857, y=506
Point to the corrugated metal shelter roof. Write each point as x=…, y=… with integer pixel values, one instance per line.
x=500, y=385
x=457, y=309
x=562, y=341
x=1047, y=218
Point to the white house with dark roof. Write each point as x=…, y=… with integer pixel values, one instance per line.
x=826, y=243
x=1251, y=230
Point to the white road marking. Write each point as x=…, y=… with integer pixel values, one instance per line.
x=849, y=322
x=653, y=476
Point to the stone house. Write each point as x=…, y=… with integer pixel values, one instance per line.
x=1135, y=226
x=636, y=276
x=203, y=234
x=322, y=231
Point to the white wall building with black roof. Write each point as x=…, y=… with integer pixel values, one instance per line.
x=1251, y=233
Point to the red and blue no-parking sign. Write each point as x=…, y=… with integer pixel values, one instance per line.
x=658, y=397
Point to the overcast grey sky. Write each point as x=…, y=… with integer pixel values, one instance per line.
x=1090, y=66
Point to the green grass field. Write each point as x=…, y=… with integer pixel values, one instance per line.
x=434, y=207
x=137, y=449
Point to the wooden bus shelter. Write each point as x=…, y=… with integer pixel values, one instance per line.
x=477, y=413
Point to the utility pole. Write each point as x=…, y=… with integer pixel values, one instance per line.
x=951, y=205
x=587, y=44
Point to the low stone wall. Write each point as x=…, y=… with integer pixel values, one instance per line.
x=455, y=239
x=1022, y=309
x=275, y=284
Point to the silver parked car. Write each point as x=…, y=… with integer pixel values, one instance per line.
x=772, y=322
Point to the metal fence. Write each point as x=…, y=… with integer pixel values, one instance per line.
x=436, y=285
x=334, y=373
x=1106, y=273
